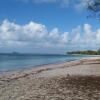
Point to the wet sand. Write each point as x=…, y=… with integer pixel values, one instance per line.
x=75, y=80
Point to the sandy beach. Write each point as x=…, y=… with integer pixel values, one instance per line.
x=74, y=80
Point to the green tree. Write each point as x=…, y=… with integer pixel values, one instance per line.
x=98, y=51
x=94, y=8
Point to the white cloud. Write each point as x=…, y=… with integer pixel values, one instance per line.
x=31, y=33
x=88, y=37
x=87, y=28
x=98, y=36
x=36, y=34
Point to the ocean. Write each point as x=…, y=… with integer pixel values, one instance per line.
x=9, y=62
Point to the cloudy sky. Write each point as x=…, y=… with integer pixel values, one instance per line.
x=47, y=26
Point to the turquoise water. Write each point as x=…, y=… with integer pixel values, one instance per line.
x=10, y=62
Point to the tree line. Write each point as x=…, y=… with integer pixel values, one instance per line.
x=87, y=52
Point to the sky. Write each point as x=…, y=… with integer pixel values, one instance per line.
x=47, y=26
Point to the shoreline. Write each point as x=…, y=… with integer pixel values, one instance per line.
x=74, y=80
x=45, y=67
x=37, y=66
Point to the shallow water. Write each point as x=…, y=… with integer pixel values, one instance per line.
x=20, y=61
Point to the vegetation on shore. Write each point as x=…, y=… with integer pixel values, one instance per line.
x=87, y=52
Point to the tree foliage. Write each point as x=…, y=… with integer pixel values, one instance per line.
x=87, y=52
x=94, y=8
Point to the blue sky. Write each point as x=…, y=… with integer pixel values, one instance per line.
x=46, y=26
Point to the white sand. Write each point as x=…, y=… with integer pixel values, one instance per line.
x=87, y=67
x=81, y=70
